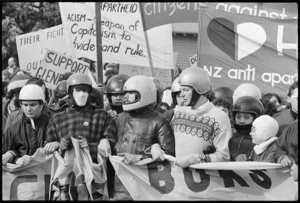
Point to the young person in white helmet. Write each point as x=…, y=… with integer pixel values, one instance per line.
x=26, y=135
x=142, y=131
x=199, y=125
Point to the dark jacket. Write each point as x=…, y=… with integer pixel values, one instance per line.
x=284, y=118
x=267, y=156
x=168, y=115
x=287, y=143
x=17, y=115
x=139, y=131
x=21, y=138
x=240, y=143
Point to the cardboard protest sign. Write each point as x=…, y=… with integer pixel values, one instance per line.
x=54, y=65
x=33, y=46
x=206, y=181
x=122, y=34
x=236, y=49
x=163, y=75
x=158, y=13
x=29, y=182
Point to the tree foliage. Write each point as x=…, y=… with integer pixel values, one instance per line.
x=25, y=17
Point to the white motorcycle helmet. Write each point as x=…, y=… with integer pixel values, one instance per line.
x=32, y=92
x=145, y=90
x=246, y=89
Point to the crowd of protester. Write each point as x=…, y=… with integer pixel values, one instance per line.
x=133, y=117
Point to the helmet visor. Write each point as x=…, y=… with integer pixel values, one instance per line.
x=131, y=97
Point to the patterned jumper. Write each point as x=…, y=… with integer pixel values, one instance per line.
x=195, y=130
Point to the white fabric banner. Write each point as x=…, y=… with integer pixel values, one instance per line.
x=29, y=182
x=148, y=180
x=122, y=34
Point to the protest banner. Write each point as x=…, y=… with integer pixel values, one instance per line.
x=33, y=46
x=236, y=49
x=29, y=182
x=206, y=181
x=163, y=75
x=158, y=13
x=49, y=177
x=76, y=177
x=122, y=34
x=54, y=65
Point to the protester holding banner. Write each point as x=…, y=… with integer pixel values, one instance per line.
x=142, y=131
x=81, y=120
x=286, y=117
x=263, y=134
x=287, y=145
x=199, y=117
x=16, y=115
x=245, y=110
x=27, y=134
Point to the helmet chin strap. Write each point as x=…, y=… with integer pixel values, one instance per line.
x=195, y=98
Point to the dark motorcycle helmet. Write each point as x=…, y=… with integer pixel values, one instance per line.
x=221, y=92
x=78, y=80
x=247, y=104
x=60, y=90
x=115, y=86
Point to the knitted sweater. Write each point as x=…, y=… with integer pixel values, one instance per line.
x=195, y=130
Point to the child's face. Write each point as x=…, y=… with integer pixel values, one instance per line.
x=243, y=118
x=224, y=109
x=256, y=138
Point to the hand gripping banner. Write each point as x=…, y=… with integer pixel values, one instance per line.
x=76, y=177
x=149, y=180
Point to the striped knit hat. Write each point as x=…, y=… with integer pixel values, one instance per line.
x=18, y=81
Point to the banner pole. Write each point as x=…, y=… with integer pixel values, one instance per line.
x=99, y=68
x=147, y=42
x=199, y=37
